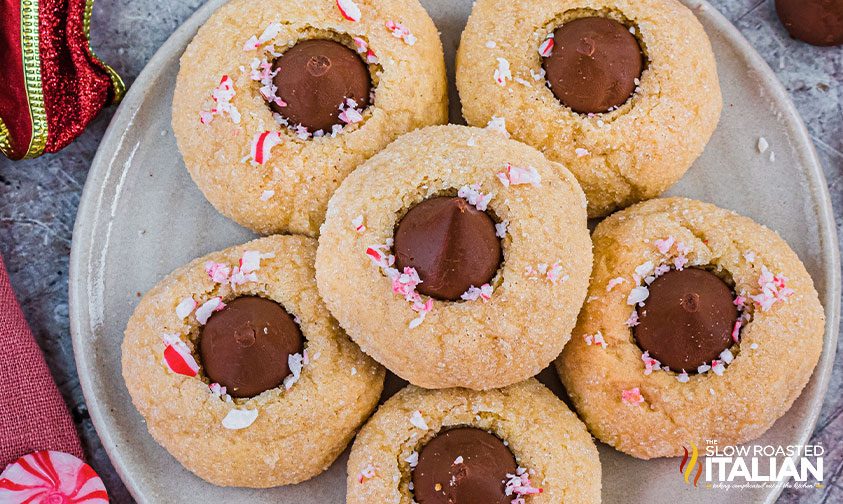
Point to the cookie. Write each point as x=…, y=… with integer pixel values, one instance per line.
x=624, y=93
x=241, y=373
x=457, y=258
x=277, y=101
x=700, y=325
x=458, y=445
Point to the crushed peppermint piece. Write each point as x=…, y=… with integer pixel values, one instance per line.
x=680, y=262
x=718, y=367
x=262, y=145
x=754, y=346
x=296, y=363
x=380, y=257
x=555, y=274
x=664, y=245
x=366, y=474
x=185, y=308
x=703, y=369
x=750, y=257
x=650, y=364
x=204, y=312
x=773, y=289
x=349, y=113
x=218, y=272
x=402, y=32
x=364, y=49
x=683, y=377
x=269, y=34
x=537, y=75
x=514, y=175
x=518, y=485
x=405, y=283
x=546, y=47
x=762, y=145
x=614, y=283
x=357, y=222
x=502, y=72
x=498, y=124
x=349, y=10
x=596, y=340
x=726, y=356
x=632, y=321
x=222, y=96
x=458, y=460
x=402, y=283
x=491, y=44
x=500, y=228
x=177, y=356
x=736, y=331
x=217, y=389
x=638, y=295
x=413, y=459
x=472, y=194
x=473, y=293
x=643, y=270
x=267, y=195
x=418, y=421
x=237, y=419
x=632, y=396
x=581, y=152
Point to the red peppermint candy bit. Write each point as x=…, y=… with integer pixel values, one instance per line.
x=546, y=47
x=349, y=10
x=51, y=477
x=178, y=357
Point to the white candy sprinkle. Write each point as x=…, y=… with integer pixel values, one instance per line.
x=296, y=363
x=498, y=124
x=500, y=228
x=413, y=459
x=237, y=419
x=203, y=313
x=638, y=295
x=581, y=152
x=185, y=308
x=491, y=44
x=266, y=195
x=502, y=72
x=763, y=145
x=418, y=421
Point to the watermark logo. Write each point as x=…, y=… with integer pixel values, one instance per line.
x=686, y=467
x=753, y=466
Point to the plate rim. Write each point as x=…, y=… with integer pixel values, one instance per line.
x=91, y=199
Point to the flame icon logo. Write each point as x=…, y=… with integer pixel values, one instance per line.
x=687, y=470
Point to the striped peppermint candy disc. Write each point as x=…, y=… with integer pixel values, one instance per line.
x=48, y=477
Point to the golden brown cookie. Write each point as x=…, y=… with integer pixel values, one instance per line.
x=241, y=141
x=500, y=330
x=552, y=449
x=284, y=435
x=633, y=401
x=633, y=151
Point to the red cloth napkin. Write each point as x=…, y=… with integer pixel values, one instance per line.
x=33, y=415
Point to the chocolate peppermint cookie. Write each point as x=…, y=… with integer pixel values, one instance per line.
x=277, y=101
x=624, y=93
x=457, y=258
x=241, y=373
x=692, y=312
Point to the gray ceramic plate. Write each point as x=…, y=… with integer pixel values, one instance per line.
x=141, y=217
